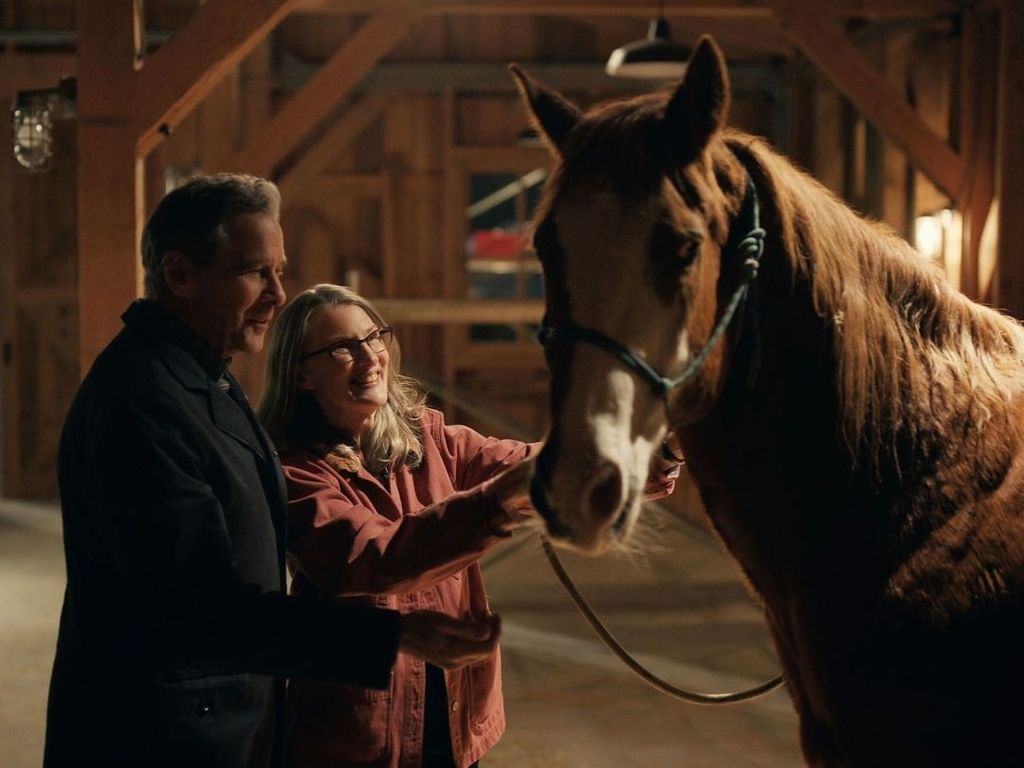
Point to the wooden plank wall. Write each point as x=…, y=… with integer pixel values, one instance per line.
x=384, y=213
x=38, y=313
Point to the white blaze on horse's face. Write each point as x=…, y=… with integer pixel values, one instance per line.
x=596, y=243
x=609, y=420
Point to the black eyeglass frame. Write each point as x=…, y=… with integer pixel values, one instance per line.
x=385, y=333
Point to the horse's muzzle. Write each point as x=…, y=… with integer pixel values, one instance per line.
x=539, y=499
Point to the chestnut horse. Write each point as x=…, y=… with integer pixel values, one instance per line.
x=853, y=424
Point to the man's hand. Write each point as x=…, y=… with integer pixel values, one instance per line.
x=447, y=642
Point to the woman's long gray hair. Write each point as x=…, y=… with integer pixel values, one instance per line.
x=292, y=416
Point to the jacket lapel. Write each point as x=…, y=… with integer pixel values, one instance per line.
x=226, y=414
x=230, y=419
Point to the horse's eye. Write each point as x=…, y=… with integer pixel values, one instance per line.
x=673, y=248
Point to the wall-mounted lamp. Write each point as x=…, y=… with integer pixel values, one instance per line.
x=32, y=116
x=657, y=56
x=931, y=233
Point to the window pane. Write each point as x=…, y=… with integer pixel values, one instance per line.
x=500, y=263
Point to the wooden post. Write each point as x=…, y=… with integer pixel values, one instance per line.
x=895, y=208
x=977, y=103
x=110, y=175
x=1009, y=277
x=122, y=106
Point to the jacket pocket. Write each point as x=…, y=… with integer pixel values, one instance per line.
x=330, y=724
x=215, y=720
x=485, y=702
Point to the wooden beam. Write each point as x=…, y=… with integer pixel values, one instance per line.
x=24, y=71
x=732, y=9
x=110, y=175
x=389, y=223
x=336, y=186
x=1009, y=278
x=341, y=133
x=826, y=45
x=436, y=76
x=503, y=159
x=453, y=240
x=189, y=65
x=326, y=89
x=976, y=98
x=460, y=311
x=10, y=396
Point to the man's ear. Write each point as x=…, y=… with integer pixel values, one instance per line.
x=179, y=274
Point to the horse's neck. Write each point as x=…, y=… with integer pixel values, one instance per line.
x=770, y=457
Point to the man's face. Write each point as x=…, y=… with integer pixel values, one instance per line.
x=236, y=294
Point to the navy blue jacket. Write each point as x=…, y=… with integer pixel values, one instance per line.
x=175, y=631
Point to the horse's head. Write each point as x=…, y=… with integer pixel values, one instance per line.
x=629, y=235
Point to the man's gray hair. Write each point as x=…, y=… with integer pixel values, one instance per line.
x=191, y=220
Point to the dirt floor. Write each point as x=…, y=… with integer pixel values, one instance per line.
x=680, y=607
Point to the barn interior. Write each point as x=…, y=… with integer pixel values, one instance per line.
x=409, y=171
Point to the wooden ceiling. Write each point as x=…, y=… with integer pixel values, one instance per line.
x=747, y=29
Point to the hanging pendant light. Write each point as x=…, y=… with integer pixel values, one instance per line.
x=657, y=56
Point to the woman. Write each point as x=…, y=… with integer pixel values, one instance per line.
x=388, y=506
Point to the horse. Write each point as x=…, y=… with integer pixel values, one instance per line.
x=853, y=424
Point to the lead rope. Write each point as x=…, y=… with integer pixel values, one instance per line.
x=693, y=697
x=750, y=248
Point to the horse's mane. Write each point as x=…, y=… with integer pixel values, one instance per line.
x=915, y=357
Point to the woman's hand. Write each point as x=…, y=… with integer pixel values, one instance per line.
x=664, y=469
x=447, y=642
x=512, y=490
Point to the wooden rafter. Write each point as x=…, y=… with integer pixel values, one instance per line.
x=356, y=119
x=747, y=9
x=318, y=98
x=20, y=71
x=826, y=45
x=460, y=311
x=188, y=66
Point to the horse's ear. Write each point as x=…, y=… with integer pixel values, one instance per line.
x=698, y=108
x=551, y=113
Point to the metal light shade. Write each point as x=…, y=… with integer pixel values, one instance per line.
x=656, y=57
x=32, y=133
x=32, y=115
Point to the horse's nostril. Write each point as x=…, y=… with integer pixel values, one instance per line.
x=606, y=492
x=539, y=499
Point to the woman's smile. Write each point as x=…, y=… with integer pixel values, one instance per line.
x=351, y=389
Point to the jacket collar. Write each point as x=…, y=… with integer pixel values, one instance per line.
x=151, y=319
x=190, y=359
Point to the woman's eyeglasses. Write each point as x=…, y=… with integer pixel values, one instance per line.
x=346, y=350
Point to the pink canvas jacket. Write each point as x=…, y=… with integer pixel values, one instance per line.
x=410, y=543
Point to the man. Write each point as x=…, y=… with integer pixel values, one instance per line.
x=175, y=634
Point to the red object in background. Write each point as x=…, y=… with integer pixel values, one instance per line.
x=498, y=244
